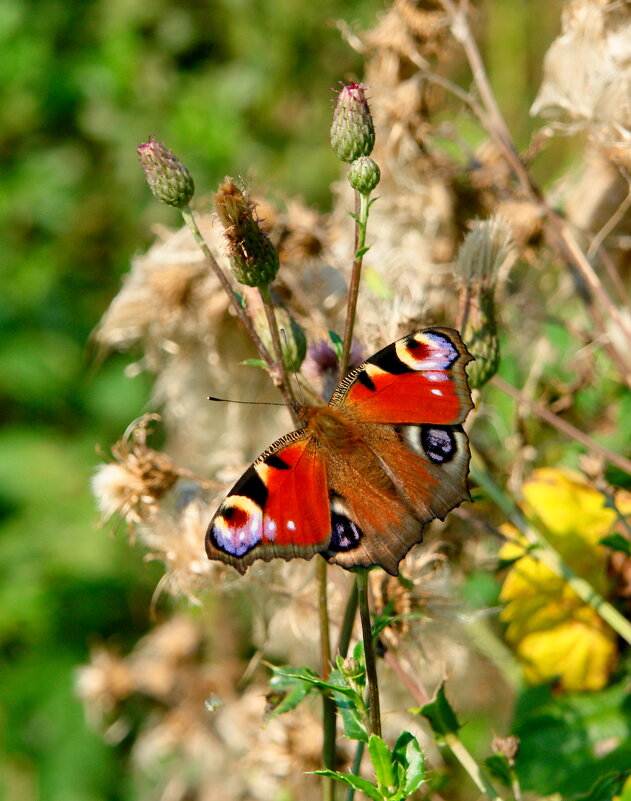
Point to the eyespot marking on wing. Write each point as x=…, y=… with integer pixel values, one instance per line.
x=237, y=527
x=427, y=351
x=438, y=443
x=345, y=534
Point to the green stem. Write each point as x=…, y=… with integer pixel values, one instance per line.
x=346, y=631
x=369, y=651
x=328, y=704
x=471, y=766
x=279, y=375
x=361, y=220
x=357, y=761
x=548, y=555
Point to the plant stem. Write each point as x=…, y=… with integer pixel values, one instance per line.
x=361, y=218
x=549, y=556
x=279, y=376
x=346, y=629
x=357, y=761
x=463, y=756
x=328, y=704
x=369, y=651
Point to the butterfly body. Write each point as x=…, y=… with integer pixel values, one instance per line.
x=366, y=472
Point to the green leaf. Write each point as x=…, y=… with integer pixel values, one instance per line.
x=381, y=761
x=607, y=787
x=441, y=716
x=360, y=252
x=338, y=344
x=407, y=754
x=356, y=782
x=617, y=543
x=499, y=767
x=254, y=363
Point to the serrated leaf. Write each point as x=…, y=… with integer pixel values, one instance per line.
x=254, y=363
x=356, y=782
x=407, y=755
x=617, y=543
x=381, y=761
x=499, y=767
x=440, y=715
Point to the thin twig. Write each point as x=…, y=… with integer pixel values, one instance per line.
x=279, y=374
x=562, y=425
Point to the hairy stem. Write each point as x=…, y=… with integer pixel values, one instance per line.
x=369, y=651
x=361, y=218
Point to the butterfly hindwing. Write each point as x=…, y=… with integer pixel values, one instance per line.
x=278, y=508
x=420, y=378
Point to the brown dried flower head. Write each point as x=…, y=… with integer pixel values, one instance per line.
x=138, y=477
x=253, y=258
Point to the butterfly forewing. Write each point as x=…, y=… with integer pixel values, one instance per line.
x=278, y=508
x=417, y=379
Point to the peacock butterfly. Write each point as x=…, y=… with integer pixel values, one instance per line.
x=360, y=480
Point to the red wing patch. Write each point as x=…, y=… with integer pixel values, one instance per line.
x=417, y=379
x=278, y=508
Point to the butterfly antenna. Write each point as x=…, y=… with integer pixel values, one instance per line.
x=249, y=403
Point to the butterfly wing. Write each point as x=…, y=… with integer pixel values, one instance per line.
x=278, y=508
x=419, y=378
x=407, y=403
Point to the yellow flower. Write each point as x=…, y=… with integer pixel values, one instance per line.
x=555, y=634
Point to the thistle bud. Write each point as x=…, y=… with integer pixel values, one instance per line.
x=253, y=258
x=168, y=178
x=352, y=131
x=483, y=252
x=364, y=175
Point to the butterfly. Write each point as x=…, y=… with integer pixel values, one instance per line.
x=367, y=472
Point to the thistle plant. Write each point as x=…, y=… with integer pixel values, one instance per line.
x=300, y=293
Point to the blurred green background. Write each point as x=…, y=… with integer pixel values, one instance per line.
x=233, y=87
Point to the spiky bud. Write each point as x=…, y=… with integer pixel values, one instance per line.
x=483, y=252
x=364, y=175
x=253, y=258
x=168, y=178
x=352, y=131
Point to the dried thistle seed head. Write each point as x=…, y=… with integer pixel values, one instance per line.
x=352, y=130
x=364, y=175
x=484, y=251
x=481, y=256
x=253, y=258
x=168, y=178
x=138, y=477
